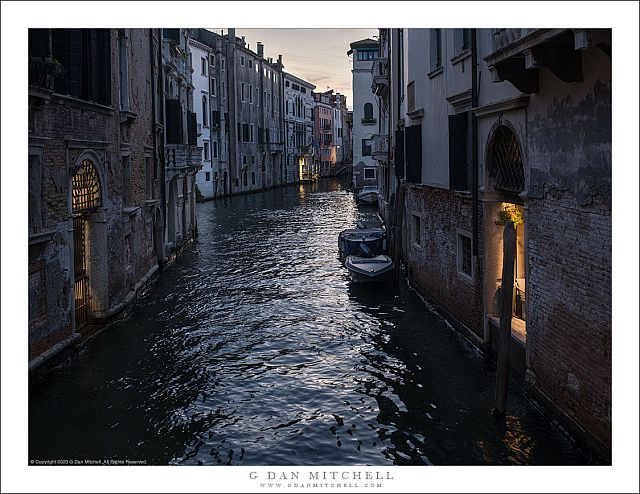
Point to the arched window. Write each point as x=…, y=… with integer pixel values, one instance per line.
x=368, y=111
x=504, y=161
x=204, y=111
x=85, y=190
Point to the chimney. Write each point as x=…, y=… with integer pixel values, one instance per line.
x=231, y=34
x=260, y=50
x=243, y=41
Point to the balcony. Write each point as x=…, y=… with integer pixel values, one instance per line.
x=368, y=121
x=380, y=72
x=518, y=54
x=380, y=147
x=183, y=157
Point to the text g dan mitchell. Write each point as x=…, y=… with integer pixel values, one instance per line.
x=333, y=475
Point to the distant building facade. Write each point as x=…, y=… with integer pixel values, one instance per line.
x=298, y=117
x=96, y=213
x=365, y=169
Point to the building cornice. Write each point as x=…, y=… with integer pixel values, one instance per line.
x=502, y=106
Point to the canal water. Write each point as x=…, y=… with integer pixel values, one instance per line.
x=254, y=348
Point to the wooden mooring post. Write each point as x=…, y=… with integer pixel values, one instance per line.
x=504, y=334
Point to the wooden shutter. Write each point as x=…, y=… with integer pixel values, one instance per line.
x=413, y=153
x=174, y=121
x=104, y=66
x=458, y=151
x=60, y=42
x=192, y=128
x=75, y=62
x=215, y=118
x=399, y=154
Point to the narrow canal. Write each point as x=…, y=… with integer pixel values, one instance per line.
x=255, y=349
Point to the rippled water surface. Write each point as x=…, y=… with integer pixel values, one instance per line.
x=255, y=349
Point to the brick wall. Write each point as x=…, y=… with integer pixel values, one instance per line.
x=569, y=297
x=432, y=267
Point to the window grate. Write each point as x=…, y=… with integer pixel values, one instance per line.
x=85, y=188
x=505, y=166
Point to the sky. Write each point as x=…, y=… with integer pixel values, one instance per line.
x=318, y=56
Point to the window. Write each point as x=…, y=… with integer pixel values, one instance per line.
x=212, y=90
x=212, y=60
x=205, y=111
x=504, y=165
x=206, y=151
x=244, y=160
x=416, y=233
x=464, y=254
x=85, y=55
x=296, y=87
x=251, y=133
x=411, y=96
x=253, y=160
x=253, y=178
x=244, y=177
x=222, y=64
x=224, y=89
x=459, y=168
x=214, y=149
x=242, y=60
x=303, y=90
x=365, y=55
x=250, y=64
x=245, y=132
x=368, y=111
x=366, y=147
x=207, y=177
x=461, y=40
x=286, y=83
x=242, y=91
x=435, y=49
x=369, y=173
x=124, y=72
x=250, y=94
x=204, y=66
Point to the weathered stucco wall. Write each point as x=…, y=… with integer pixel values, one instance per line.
x=569, y=243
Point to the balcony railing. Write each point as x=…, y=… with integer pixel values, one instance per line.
x=368, y=121
x=183, y=156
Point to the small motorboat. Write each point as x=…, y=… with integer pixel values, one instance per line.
x=349, y=241
x=368, y=195
x=366, y=267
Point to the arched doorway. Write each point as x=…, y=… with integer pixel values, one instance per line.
x=505, y=174
x=86, y=197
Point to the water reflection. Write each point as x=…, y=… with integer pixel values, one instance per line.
x=254, y=348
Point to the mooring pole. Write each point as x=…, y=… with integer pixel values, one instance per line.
x=504, y=335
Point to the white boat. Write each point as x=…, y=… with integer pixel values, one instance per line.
x=368, y=195
x=368, y=269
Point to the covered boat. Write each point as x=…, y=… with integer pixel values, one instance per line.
x=368, y=269
x=368, y=195
x=349, y=241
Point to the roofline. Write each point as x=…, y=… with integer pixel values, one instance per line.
x=298, y=79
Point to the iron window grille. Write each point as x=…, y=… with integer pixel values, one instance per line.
x=505, y=167
x=85, y=188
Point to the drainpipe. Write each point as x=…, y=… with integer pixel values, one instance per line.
x=163, y=192
x=153, y=125
x=474, y=140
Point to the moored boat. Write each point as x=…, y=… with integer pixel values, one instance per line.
x=368, y=269
x=349, y=241
x=368, y=195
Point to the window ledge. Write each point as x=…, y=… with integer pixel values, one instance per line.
x=130, y=210
x=435, y=72
x=464, y=194
x=466, y=278
x=127, y=116
x=461, y=56
x=41, y=237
